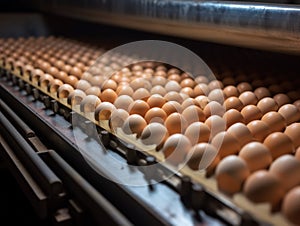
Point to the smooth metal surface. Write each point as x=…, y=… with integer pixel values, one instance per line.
x=268, y=26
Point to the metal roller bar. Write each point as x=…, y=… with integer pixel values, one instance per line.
x=267, y=26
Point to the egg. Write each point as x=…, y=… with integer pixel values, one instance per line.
x=93, y=90
x=117, y=119
x=233, y=103
x=123, y=102
x=259, y=130
x=54, y=85
x=256, y=155
x=158, y=90
x=71, y=80
x=108, y=95
x=172, y=86
x=159, y=80
x=155, y=114
x=173, y=96
x=216, y=124
x=201, y=89
x=187, y=91
x=290, y=113
x=176, y=148
x=197, y=132
x=171, y=107
x=201, y=79
x=262, y=92
x=248, y=98
x=76, y=97
x=297, y=154
x=83, y=84
x=281, y=99
x=243, y=87
x=109, y=84
x=156, y=100
x=140, y=83
x=274, y=120
x=251, y=113
x=241, y=132
x=232, y=116
x=291, y=206
x=263, y=187
x=176, y=123
x=230, y=174
x=287, y=169
x=45, y=80
x=267, y=104
x=124, y=90
x=213, y=108
x=297, y=104
x=203, y=156
x=279, y=144
x=230, y=91
x=193, y=114
x=89, y=103
x=154, y=133
x=188, y=102
x=201, y=101
x=226, y=144
x=134, y=124
x=215, y=84
x=64, y=91
x=188, y=82
x=104, y=110
x=141, y=94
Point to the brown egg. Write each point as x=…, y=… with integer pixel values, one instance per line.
x=232, y=116
x=279, y=144
x=233, y=103
x=216, y=95
x=243, y=87
x=201, y=79
x=259, y=130
x=117, y=118
x=54, y=85
x=226, y=144
x=124, y=90
x=83, y=85
x=109, y=84
x=175, y=123
x=108, y=95
x=297, y=104
x=197, y=132
x=241, y=132
x=215, y=84
x=256, y=155
x=248, y=98
x=45, y=80
x=293, y=132
x=193, y=114
x=171, y=107
x=71, y=80
x=76, y=72
x=251, y=113
x=267, y=104
x=297, y=154
x=155, y=114
x=93, y=90
x=173, y=96
x=287, y=169
x=281, y=99
x=201, y=89
x=172, y=86
x=154, y=133
x=201, y=101
x=188, y=91
x=213, y=108
x=76, y=97
x=158, y=90
x=188, y=102
x=64, y=91
x=159, y=80
x=216, y=124
x=230, y=91
x=123, y=102
x=203, y=156
x=262, y=92
x=138, y=107
x=274, y=120
x=134, y=124
x=176, y=148
x=156, y=100
x=104, y=111
x=291, y=205
x=89, y=103
x=263, y=187
x=231, y=172
x=141, y=94
x=140, y=83
x=290, y=113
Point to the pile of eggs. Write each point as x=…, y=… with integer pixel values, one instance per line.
x=244, y=134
